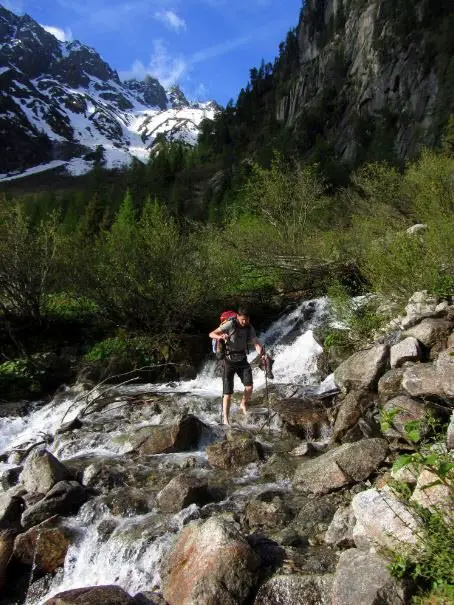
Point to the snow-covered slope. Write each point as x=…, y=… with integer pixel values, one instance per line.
x=60, y=101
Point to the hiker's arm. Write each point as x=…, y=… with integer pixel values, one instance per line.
x=258, y=346
x=218, y=334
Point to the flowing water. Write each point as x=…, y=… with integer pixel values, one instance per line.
x=124, y=546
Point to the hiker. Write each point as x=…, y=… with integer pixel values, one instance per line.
x=236, y=333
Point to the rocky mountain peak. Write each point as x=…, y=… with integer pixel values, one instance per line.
x=60, y=101
x=177, y=97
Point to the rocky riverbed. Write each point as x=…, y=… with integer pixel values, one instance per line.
x=135, y=494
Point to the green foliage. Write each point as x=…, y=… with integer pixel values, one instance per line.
x=430, y=564
x=19, y=378
x=68, y=307
x=29, y=261
x=136, y=352
x=355, y=321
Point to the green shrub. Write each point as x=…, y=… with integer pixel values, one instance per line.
x=431, y=563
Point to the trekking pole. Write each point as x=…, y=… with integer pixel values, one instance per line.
x=266, y=390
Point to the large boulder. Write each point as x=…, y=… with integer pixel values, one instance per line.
x=42, y=470
x=361, y=371
x=430, y=492
x=65, y=498
x=296, y=589
x=348, y=463
x=6, y=550
x=306, y=416
x=383, y=521
x=183, y=490
x=390, y=384
x=432, y=380
x=237, y=451
x=210, y=563
x=406, y=350
x=11, y=508
x=268, y=510
x=340, y=531
x=350, y=411
x=407, y=409
x=93, y=595
x=363, y=578
x=181, y=436
x=44, y=546
x=431, y=332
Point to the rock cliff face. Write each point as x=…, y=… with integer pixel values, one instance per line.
x=373, y=73
x=60, y=101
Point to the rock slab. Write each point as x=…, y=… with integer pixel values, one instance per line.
x=363, y=579
x=348, y=463
x=211, y=563
x=361, y=371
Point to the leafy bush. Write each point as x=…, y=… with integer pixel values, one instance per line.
x=431, y=563
x=355, y=319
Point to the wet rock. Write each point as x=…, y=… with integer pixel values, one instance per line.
x=72, y=425
x=382, y=521
x=305, y=416
x=128, y=501
x=211, y=563
x=104, y=475
x=183, y=490
x=406, y=350
x=348, y=463
x=350, y=411
x=181, y=436
x=390, y=385
x=296, y=589
x=279, y=467
x=44, y=546
x=431, y=493
x=408, y=410
x=95, y=595
x=432, y=333
x=237, y=451
x=315, y=514
x=11, y=508
x=304, y=449
x=340, y=531
x=42, y=471
x=364, y=578
x=65, y=498
x=267, y=511
x=6, y=550
x=362, y=370
x=148, y=598
x=10, y=476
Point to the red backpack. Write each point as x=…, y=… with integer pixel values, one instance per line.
x=219, y=348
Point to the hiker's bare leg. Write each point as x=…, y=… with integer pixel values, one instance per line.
x=226, y=401
x=245, y=399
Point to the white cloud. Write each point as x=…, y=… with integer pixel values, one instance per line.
x=171, y=19
x=162, y=65
x=15, y=6
x=64, y=35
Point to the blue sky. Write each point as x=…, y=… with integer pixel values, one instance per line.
x=208, y=46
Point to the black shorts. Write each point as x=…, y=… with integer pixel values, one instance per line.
x=241, y=368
